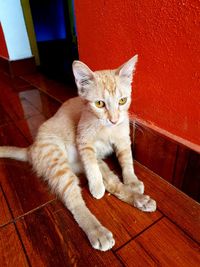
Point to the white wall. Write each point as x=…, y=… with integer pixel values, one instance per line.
x=14, y=28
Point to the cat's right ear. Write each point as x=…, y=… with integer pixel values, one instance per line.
x=126, y=71
x=84, y=77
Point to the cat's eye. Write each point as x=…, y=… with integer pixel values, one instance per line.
x=99, y=104
x=123, y=101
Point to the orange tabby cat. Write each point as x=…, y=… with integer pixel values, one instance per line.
x=85, y=130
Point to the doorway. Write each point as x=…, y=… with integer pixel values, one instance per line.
x=54, y=25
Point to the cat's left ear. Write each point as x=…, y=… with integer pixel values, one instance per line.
x=84, y=77
x=126, y=71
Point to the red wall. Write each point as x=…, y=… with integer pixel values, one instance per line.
x=3, y=47
x=166, y=35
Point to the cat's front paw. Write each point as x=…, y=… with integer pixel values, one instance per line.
x=101, y=239
x=144, y=203
x=97, y=189
x=137, y=187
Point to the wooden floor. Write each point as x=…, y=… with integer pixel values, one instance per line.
x=37, y=230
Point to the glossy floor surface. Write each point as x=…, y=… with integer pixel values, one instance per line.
x=37, y=230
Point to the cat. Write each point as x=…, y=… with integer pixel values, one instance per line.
x=85, y=130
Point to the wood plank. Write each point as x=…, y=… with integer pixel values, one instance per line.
x=18, y=108
x=163, y=244
x=42, y=102
x=11, y=251
x=30, y=126
x=59, y=91
x=32, y=105
x=49, y=105
x=5, y=215
x=180, y=166
x=167, y=158
x=15, y=84
x=52, y=238
x=133, y=254
x=8, y=98
x=180, y=208
x=17, y=95
x=23, y=189
x=191, y=182
x=13, y=103
x=122, y=219
x=46, y=107
x=4, y=118
x=155, y=151
x=19, y=85
x=4, y=65
x=11, y=136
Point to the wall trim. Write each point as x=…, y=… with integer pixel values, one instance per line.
x=170, y=159
x=171, y=136
x=17, y=67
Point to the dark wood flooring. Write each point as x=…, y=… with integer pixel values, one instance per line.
x=37, y=230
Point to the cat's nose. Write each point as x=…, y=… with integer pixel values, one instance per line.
x=114, y=117
x=114, y=120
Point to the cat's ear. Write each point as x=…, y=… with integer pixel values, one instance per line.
x=126, y=71
x=84, y=76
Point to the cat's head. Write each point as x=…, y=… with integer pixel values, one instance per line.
x=107, y=92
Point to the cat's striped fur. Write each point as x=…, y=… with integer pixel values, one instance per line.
x=78, y=137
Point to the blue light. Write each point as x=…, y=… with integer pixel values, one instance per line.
x=48, y=19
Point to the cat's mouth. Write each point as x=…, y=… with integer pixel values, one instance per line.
x=110, y=124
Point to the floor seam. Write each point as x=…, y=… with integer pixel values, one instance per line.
x=33, y=210
x=22, y=244
x=141, y=232
x=15, y=219
x=180, y=228
x=43, y=91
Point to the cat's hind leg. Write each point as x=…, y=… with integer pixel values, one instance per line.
x=125, y=192
x=56, y=171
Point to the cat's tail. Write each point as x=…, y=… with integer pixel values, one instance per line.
x=14, y=153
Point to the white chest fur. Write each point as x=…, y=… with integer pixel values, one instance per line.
x=103, y=148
